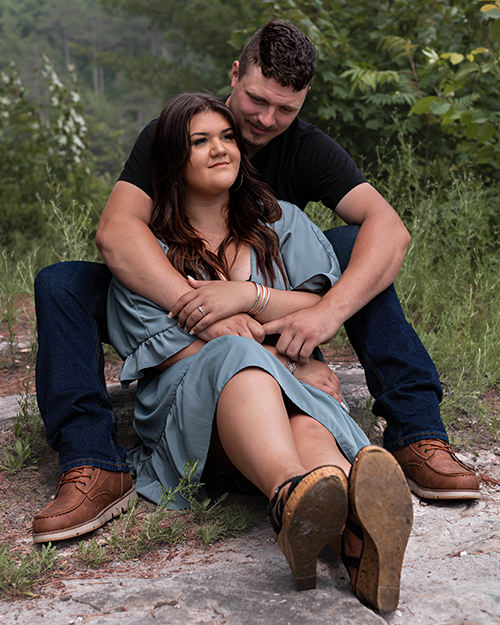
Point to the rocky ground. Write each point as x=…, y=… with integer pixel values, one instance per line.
x=451, y=574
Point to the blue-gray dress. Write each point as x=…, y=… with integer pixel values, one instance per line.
x=174, y=409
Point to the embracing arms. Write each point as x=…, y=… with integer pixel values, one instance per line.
x=134, y=256
x=376, y=260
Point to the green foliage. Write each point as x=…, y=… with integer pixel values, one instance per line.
x=136, y=531
x=214, y=522
x=42, y=144
x=19, y=573
x=27, y=428
x=421, y=69
x=449, y=285
x=93, y=553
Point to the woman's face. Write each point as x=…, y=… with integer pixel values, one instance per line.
x=214, y=160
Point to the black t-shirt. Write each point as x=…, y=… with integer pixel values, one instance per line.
x=301, y=165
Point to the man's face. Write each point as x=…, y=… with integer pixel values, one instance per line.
x=263, y=108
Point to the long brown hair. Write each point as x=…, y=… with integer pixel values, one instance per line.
x=251, y=203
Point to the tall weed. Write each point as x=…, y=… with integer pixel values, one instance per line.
x=449, y=285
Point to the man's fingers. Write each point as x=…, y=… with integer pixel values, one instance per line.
x=273, y=327
x=256, y=330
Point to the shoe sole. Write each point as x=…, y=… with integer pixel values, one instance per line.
x=113, y=510
x=315, y=512
x=382, y=505
x=428, y=493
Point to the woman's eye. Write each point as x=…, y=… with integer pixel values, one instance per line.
x=199, y=141
x=228, y=137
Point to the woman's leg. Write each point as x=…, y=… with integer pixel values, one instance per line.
x=315, y=445
x=267, y=440
x=255, y=432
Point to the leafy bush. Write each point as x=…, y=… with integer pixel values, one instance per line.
x=43, y=146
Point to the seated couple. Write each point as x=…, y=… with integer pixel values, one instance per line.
x=281, y=423
x=256, y=245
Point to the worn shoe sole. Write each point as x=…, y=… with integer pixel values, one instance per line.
x=315, y=512
x=113, y=510
x=381, y=503
x=429, y=493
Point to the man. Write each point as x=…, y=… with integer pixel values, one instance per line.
x=269, y=86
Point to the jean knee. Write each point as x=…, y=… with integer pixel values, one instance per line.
x=343, y=239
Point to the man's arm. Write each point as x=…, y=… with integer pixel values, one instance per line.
x=134, y=256
x=377, y=255
x=130, y=249
x=376, y=260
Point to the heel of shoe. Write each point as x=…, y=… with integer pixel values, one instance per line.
x=382, y=505
x=301, y=561
x=315, y=512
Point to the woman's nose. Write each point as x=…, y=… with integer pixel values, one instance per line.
x=217, y=148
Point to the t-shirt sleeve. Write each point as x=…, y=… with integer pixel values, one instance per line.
x=137, y=169
x=308, y=257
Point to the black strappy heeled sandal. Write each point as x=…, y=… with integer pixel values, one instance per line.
x=306, y=516
x=351, y=562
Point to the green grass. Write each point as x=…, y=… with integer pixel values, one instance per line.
x=449, y=285
x=137, y=531
x=19, y=573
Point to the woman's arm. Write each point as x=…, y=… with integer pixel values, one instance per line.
x=219, y=297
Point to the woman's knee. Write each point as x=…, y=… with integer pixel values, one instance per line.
x=305, y=424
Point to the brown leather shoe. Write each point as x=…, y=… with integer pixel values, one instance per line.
x=434, y=472
x=85, y=499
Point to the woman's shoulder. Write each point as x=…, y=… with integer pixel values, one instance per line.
x=291, y=218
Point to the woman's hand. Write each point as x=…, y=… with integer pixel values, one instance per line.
x=211, y=301
x=320, y=375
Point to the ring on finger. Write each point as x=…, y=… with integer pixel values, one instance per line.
x=201, y=310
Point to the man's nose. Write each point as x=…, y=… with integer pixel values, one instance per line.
x=266, y=117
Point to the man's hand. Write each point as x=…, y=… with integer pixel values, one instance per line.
x=302, y=331
x=319, y=375
x=237, y=325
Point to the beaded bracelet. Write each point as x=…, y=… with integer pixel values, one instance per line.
x=291, y=365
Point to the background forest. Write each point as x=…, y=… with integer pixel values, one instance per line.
x=411, y=90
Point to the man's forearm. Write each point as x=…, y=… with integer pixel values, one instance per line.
x=132, y=252
x=141, y=265
x=376, y=260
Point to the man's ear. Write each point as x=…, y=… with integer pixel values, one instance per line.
x=235, y=72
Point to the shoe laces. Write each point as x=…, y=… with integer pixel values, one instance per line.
x=77, y=475
x=431, y=444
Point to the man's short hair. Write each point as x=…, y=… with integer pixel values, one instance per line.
x=282, y=52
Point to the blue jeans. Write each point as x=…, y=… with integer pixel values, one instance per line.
x=70, y=300
x=400, y=374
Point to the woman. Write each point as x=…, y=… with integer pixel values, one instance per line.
x=281, y=424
